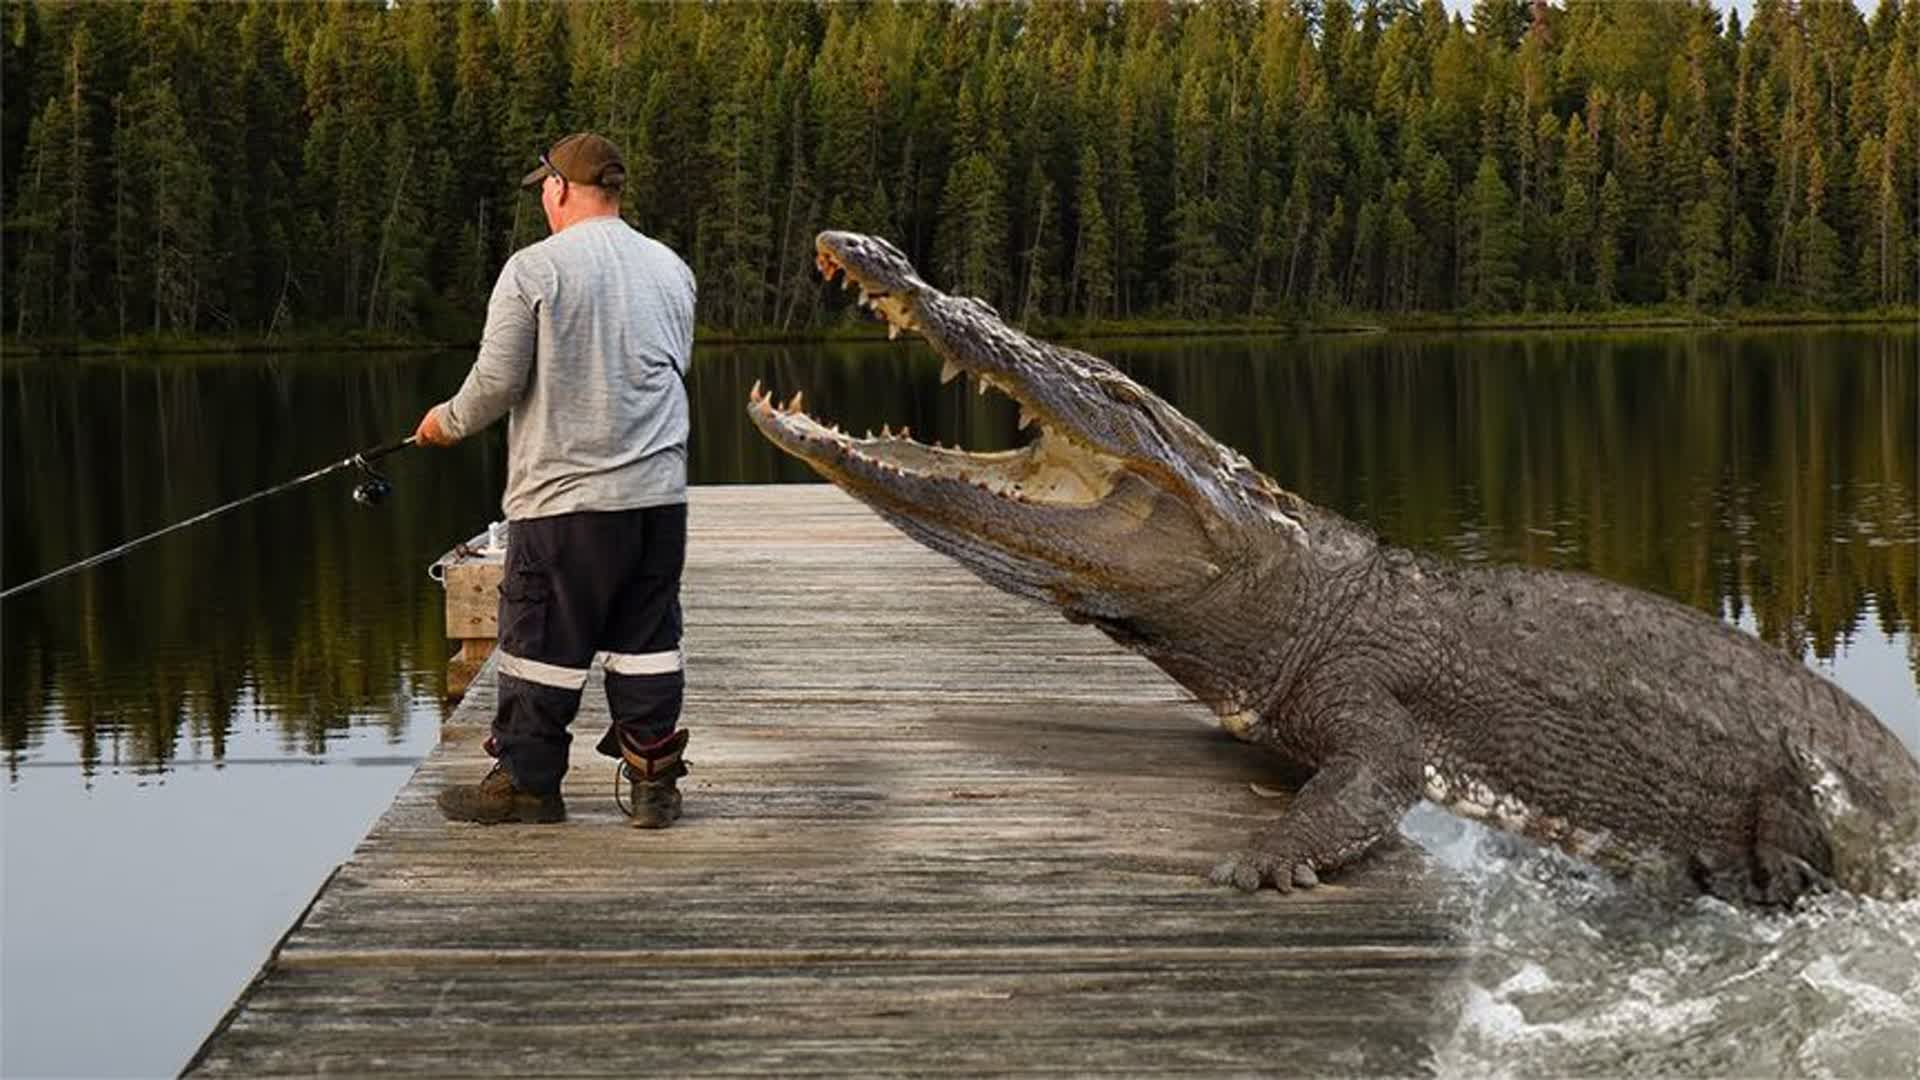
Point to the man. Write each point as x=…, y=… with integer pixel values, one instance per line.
x=588, y=337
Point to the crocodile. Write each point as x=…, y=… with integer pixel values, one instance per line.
x=1629, y=730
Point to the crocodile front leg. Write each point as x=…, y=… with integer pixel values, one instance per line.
x=1359, y=794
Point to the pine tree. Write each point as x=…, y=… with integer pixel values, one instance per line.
x=1704, y=239
x=56, y=212
x=799, y=200
x=164, y=206
x=1197, y=262
x=35, y=220
x=1043, y=253
x=1575, y=225
x=398, y=288
x=532, y=87
x=1324, y=273
x=272, y=159
x=1491, y=241
x=1129, y=215
x=737, y=225
x=20, y=56
x=1439, y=285
x=1881, y=249
x=1500, y=22
x=1093, y=251
x=973, y=215
x=1403, y=254
x=1820, y=254
x=1357, y=289
x=1637, y=165
x=1606, y=243
x=477, y=196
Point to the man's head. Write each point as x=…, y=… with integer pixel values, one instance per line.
x=578, y=177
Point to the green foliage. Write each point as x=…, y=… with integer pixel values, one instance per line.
x=1093, y=261
x=1606, y=243
x=269, y=168
x=1491, y=241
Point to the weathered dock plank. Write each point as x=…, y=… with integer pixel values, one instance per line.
x=929, y=828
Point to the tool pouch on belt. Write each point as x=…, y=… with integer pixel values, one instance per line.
x=655, y=761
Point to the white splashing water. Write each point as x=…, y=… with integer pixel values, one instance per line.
x=1572, y=975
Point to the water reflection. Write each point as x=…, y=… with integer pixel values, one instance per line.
x=306, y=611
x=1768, y=477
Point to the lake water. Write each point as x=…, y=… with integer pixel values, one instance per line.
x=196, y=734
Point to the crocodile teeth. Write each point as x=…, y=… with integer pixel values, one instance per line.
x=795, y=404
x=981, y=387
x=1026, y=418
x=949, y=371
x=892, y=331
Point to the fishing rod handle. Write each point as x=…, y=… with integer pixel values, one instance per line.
x=378, y=452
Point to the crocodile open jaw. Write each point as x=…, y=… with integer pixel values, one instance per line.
x=1053, y=469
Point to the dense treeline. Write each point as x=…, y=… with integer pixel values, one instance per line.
x=206, y=167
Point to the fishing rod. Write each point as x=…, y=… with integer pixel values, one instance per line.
x=372, y=490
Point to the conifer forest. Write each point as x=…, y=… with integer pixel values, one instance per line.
x=192, y=167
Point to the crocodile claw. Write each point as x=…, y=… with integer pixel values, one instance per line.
x=1248, y=870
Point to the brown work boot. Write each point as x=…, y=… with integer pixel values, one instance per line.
x=653, y=772
x=494, y=801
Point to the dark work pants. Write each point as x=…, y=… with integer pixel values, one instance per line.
x=578, y=586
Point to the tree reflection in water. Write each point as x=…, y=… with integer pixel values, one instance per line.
x=1768, y=476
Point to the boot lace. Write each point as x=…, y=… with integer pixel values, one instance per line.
x=620, y=787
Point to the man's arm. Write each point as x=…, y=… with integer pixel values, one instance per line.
x=499, y=375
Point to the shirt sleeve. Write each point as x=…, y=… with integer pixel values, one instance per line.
x=499, y=375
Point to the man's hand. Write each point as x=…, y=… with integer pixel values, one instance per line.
x=430, y=433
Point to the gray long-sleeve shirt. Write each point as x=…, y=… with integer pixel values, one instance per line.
x=589, y=335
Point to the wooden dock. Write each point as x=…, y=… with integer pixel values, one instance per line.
x=930, y=829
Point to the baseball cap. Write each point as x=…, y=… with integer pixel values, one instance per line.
x=582, y=158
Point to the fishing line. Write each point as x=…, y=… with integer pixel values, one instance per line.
x=370, y=491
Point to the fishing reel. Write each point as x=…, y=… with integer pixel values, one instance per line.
x=374, y=488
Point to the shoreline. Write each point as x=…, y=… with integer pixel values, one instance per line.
x=1072, y=329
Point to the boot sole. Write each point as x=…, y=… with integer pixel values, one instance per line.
x=555, y=816
x=536, y=815
x=657, y=822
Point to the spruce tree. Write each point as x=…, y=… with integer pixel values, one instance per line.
x=1704, y=239
x=1093, y=249
x=1606, y=242
x=1491, y=241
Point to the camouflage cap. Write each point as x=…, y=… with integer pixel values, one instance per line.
x=582, y=158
